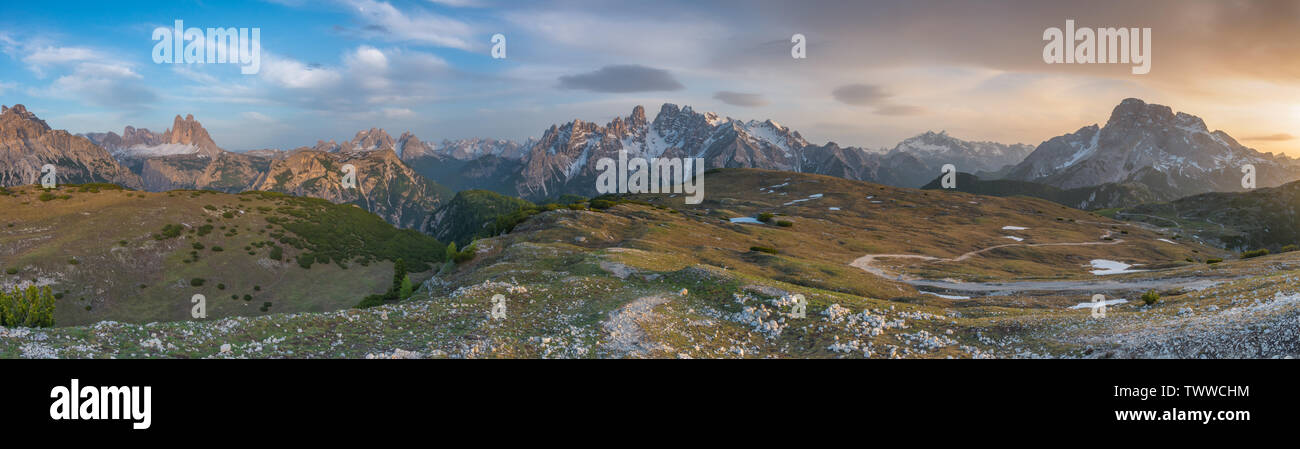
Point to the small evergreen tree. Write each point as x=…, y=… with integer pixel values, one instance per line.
x=33, y=307
x=399, y=273
x=406, y=289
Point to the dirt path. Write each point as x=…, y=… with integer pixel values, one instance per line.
x=867, y=263
x=626, y=337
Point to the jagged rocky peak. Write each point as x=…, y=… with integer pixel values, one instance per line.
x=409, y=146
x=373, y=139
x=638, y=116
x=20, y=112
x=1173, y=154
x=188, y=131
x=27, y=143
x=1135, y=112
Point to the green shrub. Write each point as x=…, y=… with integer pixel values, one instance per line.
x=1213, y=261
x=306, y=259
x=197, y=282
x=784, y=224
x=12, y=270
x=464, y=255
x=1289, y=248
x=763, y=249
x=406, y=288
x=74, y=262
x=169, y=231
x=46, y=196
x=198, y=245
x=371, y=301
x=1255, y=253
x=1150, y=297
x=765, y=217
x=276, y=253
x=399, y=276
x=216, y=249
x=33, y=307
x=333, y=230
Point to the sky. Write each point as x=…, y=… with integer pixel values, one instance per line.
x=876, y=72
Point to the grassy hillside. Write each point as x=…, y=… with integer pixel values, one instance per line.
x=1109, y=195
x=121, y=255
x=649, y=276
x=1241, y=221
x=473, y=214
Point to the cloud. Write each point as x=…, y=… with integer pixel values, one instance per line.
x=622, y=79
x=1280, y=137
x=899, y=110
x=60, y=55
x=596, y=33
x=383, y=20
x=872, y=95
x=106, y=85
x=6, y=86
x=288, y=73
x=740, y=99
x=459, y=3
x=383, y=81
x=860, y=94
x=43, y=58
x=395, y=113
x=257, y=117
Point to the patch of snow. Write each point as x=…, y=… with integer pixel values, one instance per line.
x=944, y=296
x=1089, y=305
x=1018, y=239
x=165, y=149
x=1105, y=267
x=1013, y=228
x=746, y=220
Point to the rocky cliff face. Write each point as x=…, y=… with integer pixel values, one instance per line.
x=373, y=139
x=226, y=172
x=27, y=143
x=384, y=185
x=563, y=159
x=1174, y=154
x=936, y=149
x=188, y=131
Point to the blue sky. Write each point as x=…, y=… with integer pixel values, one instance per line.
x=877, y=72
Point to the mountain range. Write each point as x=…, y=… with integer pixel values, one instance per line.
x=1172, y=154
x=1143, y=153
x=27, y=143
